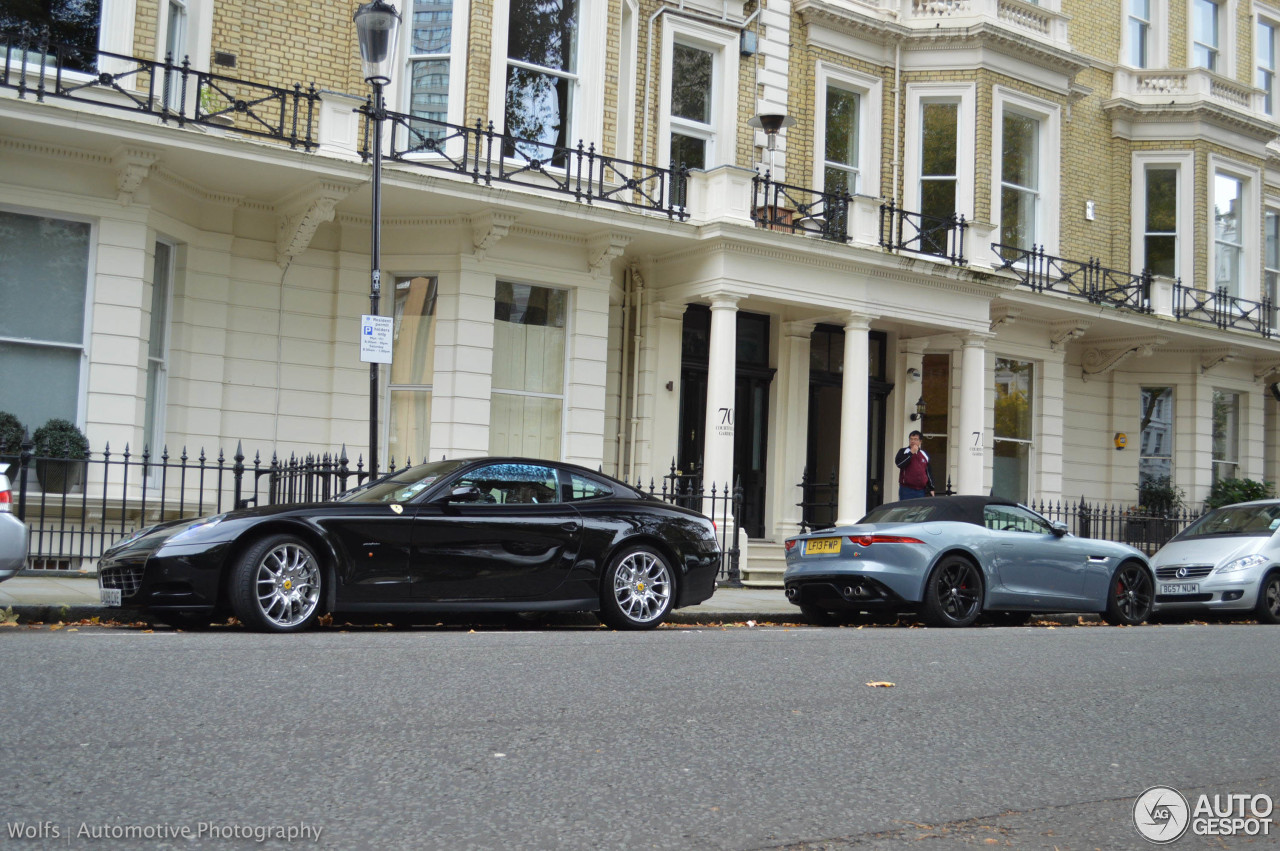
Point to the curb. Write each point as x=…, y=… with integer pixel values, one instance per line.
x=52, y=613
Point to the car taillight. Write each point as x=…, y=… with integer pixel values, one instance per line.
x=790, y=544
x=6, y=500
x=868, y=540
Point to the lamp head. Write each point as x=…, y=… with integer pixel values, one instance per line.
x=377, y=26
x=919, y=414
x=771, y=123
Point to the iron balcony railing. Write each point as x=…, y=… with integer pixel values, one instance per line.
x=1221, y=310
x=780, y=206
x=38, y=67
x=918, y=233
x=487, y=156
x=1089, y=280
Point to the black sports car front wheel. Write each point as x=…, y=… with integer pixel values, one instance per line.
x=276, y=585
x=1130, y=596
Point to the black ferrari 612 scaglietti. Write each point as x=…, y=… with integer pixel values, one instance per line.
x=472, y=535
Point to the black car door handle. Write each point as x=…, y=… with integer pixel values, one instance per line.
x=569, y=527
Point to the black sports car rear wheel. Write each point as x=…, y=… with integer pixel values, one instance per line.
x=953, y=594
x=638, y=589
x=276, y=585
x=1130, y=596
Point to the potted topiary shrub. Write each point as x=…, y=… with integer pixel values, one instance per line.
x=11, y=434
x=61, y=450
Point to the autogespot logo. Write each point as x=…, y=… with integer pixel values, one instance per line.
x=1161, y=815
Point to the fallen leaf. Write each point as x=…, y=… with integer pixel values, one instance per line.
x=751, y=623
x=881, y=684
x=58, y=625
x=325, y=620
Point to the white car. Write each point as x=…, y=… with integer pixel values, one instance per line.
x=13, y=534
x=1227, y=561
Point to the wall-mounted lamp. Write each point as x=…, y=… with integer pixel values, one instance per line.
x=913, y=374
x=919, y=414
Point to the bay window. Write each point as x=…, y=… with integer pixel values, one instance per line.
x=529, y=348
x=1226, y=435
x=542, y=75
x=412, y=370
x=1013, y=444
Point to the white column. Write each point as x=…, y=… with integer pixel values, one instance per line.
x=464, y=364
x=722, y=360
x=973, y=388
x=853, y=420
x=794, y=419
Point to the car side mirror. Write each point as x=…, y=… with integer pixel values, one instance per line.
x=464, y=493
x=1058, y=528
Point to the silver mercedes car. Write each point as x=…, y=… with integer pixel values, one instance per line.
x=953, y=559
x=1227, y=561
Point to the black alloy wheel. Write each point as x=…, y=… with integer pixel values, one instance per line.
x=1268, y=609
x=953, y=594
x=1130, y=595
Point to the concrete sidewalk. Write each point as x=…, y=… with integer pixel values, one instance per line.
x=73, y=598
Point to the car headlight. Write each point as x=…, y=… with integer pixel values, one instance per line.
x=1243, y=563
x=207, y=523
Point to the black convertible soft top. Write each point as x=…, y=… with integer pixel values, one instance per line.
x=935, y=509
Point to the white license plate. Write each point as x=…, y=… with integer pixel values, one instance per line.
x=1179, y=588
x=110, y=596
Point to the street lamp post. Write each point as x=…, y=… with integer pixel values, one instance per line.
x=377, y=28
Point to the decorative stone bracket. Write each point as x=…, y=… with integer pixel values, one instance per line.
x=488, y=229
x=1103, y=359
x=1263, y=369
x=603, y=248
x=133, y=166
x=303, y=213
x=1002, y=315
x=1061, y=333
x=1213, y=357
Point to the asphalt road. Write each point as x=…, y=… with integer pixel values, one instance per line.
x=688, y=738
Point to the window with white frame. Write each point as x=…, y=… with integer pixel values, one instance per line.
x=42, y=328
x=1206, y=35
x=412, y=370
x=690, y=107
x=1228, y=232
x=1226, y=435
x=1026, y=171
x=1019, y=180
x=939, y=158
x=1155, y=451
x=1265, y=48
x=698, y=116
x=1139, y=33
x=542, y=75
x=529, y=347
x=1271, y=262
x=158, y=347
x=1160, y=220
x=846, y=121
x=1013, y=440
x=433, y=28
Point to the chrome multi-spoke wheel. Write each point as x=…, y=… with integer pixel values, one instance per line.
x=1131, y=595
x=277, y=585
x=953, y=594
x=1268, y=610
x=639, y=589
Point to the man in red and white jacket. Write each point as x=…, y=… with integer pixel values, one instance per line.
x=914, y=476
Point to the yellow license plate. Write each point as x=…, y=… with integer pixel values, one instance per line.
x=816, y=546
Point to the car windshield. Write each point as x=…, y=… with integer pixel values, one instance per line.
x=1255, y=520
x=404, y=485
x=901, y=514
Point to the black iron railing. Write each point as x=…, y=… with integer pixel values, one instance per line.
x=172, y=92
x=819, y=500
x=1221, y=310
x=1133, y=525
x=779, y=206
x=918, y=233
x=75, y=510
x=486, y=157
x=1088, y=279
x=719, y=502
